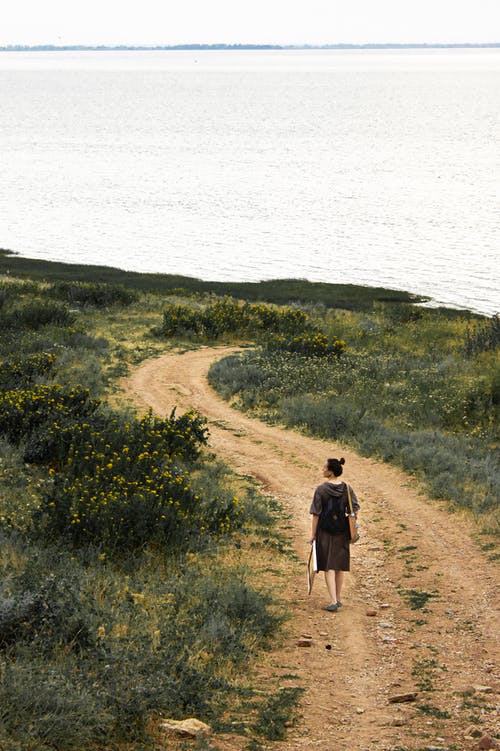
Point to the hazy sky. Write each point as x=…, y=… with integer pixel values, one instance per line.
x=248, y=21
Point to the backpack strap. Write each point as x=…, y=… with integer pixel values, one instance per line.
x=351, y=511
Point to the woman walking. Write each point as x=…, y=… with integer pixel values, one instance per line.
x=330, y=529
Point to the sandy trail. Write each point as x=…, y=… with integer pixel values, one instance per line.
x=451, y=642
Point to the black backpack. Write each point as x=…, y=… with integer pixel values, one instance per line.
x=333, y=517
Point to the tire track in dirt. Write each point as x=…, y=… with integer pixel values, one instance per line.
x=435, y=596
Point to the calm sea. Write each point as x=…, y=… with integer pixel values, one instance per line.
x=371, y=167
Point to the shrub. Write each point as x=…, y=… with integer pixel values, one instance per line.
x=5, y=295
x=14, y=290
x=122, y=487
x=17, y=615
x=228, y=316
x=98, y=295
x=454, y=468
x=42, y=409
x=331, y=417
x=50, y=705
x=275, y=713
x=311, y=344
x=283, y=320
x=179, y=320
x=222, y=317
x=397, y=406
x=46, y=609
x=35, y=314
x=230, y=375
x=20, y=372
x=484, y=336
x=163, y=639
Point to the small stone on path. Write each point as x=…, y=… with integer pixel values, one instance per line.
x=399, y=698
x=304, y=642
x=483, y=689
x=191, y=727
x=371, y=613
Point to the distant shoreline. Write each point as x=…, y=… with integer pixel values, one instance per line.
x=222, y=47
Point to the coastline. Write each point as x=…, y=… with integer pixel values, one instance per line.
x=280, y=291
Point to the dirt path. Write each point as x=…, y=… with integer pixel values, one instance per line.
x=446, y=645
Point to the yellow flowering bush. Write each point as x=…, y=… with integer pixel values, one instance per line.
x=310, y=344
x=229, y=316
x=39, y=409
x=180, y=320
x=118, y=482
x=122, y=486
x=18, y=372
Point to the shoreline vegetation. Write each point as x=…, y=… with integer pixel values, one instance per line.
x=278, y=291
x=222, y=47
x=135, y=572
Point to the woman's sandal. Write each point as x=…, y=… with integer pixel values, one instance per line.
x=332, y=608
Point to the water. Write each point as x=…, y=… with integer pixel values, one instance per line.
x=368, y=167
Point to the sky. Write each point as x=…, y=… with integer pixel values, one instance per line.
x=151, y=22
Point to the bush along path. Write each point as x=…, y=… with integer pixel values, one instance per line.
x=409, y=661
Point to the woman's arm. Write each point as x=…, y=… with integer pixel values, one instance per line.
x=354, y=501
x=314, y=527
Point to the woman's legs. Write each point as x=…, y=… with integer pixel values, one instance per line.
x=339, y=581
x=330, y=579
x=334, y=583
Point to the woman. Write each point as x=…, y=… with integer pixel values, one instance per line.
x=332, y=537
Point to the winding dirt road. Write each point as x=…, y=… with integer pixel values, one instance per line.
x=356, y=662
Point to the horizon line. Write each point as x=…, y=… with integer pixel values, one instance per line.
x=245, y=46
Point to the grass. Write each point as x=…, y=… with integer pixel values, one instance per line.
x=279, y=291
x=96, y=640
x=275, y=712
x=419, y=388
x=426, y=672
x=162, y=627
x=429, y=710
x=417, y=599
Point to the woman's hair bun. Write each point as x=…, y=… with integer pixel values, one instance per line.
x=335, y=466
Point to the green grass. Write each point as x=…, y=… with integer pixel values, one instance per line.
x=426, y=672
x=96, y=639
x=410, y=391
x=104, y=638
x=440, y=714
x=417, y=599
x=275, y=712
x=279, y=291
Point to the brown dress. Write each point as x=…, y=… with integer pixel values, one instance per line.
x=332, y=551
